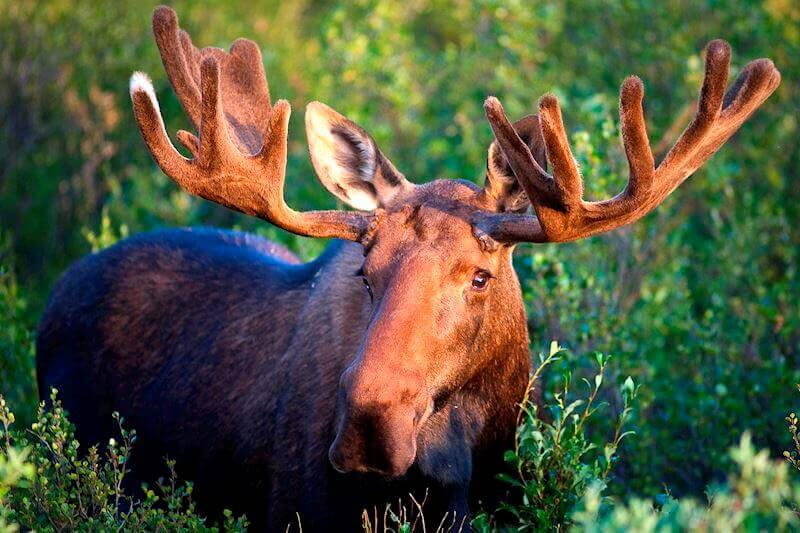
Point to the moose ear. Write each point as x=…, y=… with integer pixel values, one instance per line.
x=501, y=183
x=349, y=163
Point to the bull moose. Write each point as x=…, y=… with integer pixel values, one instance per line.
x=394, y=363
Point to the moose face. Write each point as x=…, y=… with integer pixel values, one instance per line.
x=432, y=281
x=435, y=293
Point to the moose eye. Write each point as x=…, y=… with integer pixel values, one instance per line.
x=366, y=284
x=365, y=281
x=480, y=280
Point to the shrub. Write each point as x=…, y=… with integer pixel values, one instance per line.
x=17, y=372
x=793, y=457
x=47, y=483
x=557, y=456
x=759, y=496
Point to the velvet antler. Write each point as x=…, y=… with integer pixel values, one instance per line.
x=239, y=160
x=562, y=214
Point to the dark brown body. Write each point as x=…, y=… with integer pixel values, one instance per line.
x=225, y=354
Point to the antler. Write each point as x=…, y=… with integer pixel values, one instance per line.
x=239, y=160
x=562, y=214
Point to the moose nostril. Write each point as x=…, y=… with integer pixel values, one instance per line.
x=336, y=460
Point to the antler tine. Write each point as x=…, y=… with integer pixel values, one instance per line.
x=635, y=140
x=562, y=214
x=719, y=114
x=559, y=154
x=178, y=55
x=214, y=142
x=245, y=92
x=148, y=116
x=718, y=55
x=536, y=182
x=245, y=172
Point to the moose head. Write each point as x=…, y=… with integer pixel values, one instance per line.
x=439, y=287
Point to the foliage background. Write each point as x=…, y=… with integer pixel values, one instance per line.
x=698, y=302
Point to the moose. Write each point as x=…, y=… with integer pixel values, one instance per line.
x=395, y=362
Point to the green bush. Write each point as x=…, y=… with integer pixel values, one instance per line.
x=759, y=496
x=17, y=361
x=49, y=483
x=793, y=456
x=556, y=459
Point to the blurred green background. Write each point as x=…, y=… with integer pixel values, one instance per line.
x=698, y=302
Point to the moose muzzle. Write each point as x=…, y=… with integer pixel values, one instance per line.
x=379, y=419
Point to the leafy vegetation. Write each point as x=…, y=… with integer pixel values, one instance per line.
x=759, y=496
x=555, y=461
x=48, y=483
x=17, y=375
x=698, y=302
